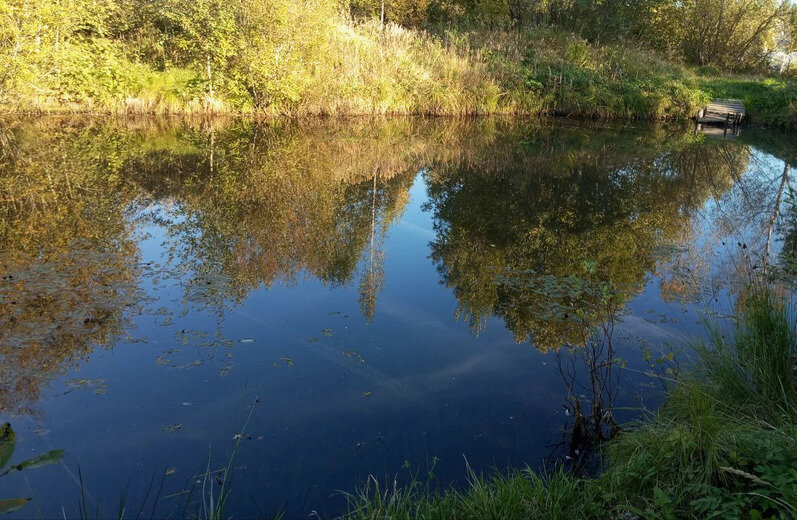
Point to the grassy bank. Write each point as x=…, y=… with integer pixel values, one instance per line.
x=723, y=445
x=341, y=67
x=768, y=101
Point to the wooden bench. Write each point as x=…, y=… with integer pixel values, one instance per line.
x=728, y=112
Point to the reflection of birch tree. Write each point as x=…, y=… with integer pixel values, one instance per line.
x=775, y=212
x=739, y=234
x=788, y=253
x=373, y=275
x=242, y=205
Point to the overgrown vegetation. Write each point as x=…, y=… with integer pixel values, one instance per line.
x=723, y=445
x=430, y=57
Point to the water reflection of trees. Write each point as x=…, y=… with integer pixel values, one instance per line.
x=540, y=240
x=68, y=261
x=745, y=233
x=242, y=204
x=580, y=212
x=272, y=207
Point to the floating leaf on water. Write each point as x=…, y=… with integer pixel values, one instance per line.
x=367, y=393
x=327, y=332
x=8, y=441
x=10, y=505
x=311, y=339
x=288, y=361
x=185, y=336
x=225, y=370
x=99, y=385
x=171, y=471
x=192, y=364
x=353, y=354
x=173, y=427
x=51, y=457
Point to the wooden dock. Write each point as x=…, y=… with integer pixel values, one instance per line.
x=724, y=112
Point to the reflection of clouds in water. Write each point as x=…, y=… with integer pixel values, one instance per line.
x=652, y=332
x=389, y=389
x=416, y=229
x=417, y=318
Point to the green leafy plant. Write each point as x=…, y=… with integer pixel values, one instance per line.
x=7, y=445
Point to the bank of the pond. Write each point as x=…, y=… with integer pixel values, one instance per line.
x=364, y=68
x=723, y=445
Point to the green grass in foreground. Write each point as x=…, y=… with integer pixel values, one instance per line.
x=724, y=445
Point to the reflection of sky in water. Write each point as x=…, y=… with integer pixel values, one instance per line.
x=340, y=397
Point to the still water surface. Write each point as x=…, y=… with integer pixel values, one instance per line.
x=373, y=295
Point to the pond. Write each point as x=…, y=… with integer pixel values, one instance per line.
x=329, y=300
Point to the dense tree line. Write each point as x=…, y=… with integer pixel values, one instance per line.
x=733, y=34
x=256, y=53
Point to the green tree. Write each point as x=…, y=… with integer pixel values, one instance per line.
x=402, y=12
x=204, y=32
x=734, y=34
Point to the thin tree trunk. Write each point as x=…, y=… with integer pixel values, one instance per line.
x=210, y=75
x=212, y=147
x=775, y=213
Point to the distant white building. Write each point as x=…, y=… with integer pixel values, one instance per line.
x=782, y=62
